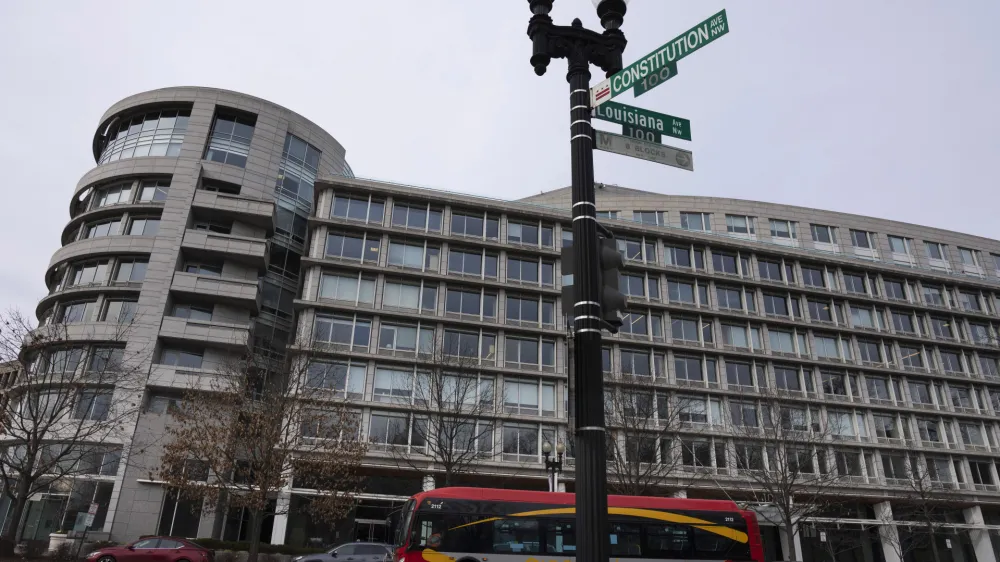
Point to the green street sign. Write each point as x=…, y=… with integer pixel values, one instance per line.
x=649, y=120
x=640, y=133
x=671, y=52
x=654, y=79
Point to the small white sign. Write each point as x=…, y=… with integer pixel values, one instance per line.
x=947, y=543
x=91, y=513
x=822, y=536
x=600, y=93
x=654, y=152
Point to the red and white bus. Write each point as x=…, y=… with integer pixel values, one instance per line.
x=479, y=524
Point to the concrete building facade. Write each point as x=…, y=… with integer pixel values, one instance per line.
x=217, y=219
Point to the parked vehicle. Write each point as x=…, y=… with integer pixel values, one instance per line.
x=154, y=549
x=351, y=552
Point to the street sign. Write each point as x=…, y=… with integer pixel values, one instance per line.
x=659, y=153
x=654, y=79
x=91, y=513
x=650, y=120
x=673, y=51
x=642, y=134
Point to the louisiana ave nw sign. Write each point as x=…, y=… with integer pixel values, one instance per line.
x=644, y=119
x=654, y=63
x=659, y=153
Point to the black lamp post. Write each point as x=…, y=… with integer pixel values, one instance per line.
x=553, y=467
x=581, y=48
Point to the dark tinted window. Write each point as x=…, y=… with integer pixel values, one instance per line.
x=369, y=549
x=167, y=543
x=347, y=550
x=147, y=543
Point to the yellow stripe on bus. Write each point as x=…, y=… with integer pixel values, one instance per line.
x=708, y=526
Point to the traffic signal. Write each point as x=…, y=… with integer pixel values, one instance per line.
x=609, y=262
x=612, y=299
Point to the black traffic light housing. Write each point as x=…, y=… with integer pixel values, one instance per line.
x=610, y=262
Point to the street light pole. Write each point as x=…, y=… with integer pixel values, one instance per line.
x=581, y=48
x=553, y=467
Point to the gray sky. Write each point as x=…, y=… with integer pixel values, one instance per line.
x=880, y=108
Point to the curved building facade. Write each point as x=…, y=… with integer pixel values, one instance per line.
x=191, y=227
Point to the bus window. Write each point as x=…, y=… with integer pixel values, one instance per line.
x=448, y=532
x=664, y=540
x=625, y=540
x=561, y=537
x=517, y=536
x=709, y=545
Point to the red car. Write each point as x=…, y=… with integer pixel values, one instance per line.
x=154, y=549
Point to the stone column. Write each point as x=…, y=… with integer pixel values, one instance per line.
x=793, y=552
x=887, y=532
x=980, y=537
x=428, y=482
x=281, y=509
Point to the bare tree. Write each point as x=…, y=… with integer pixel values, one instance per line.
x=781, y=448
x=643, y=428
x=238, y=438
x=456, y=414
x=68, y=400
x=917, y=509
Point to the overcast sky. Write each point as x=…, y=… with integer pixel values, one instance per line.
x=880, y=108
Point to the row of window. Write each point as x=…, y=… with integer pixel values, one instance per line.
x=710, y=372
x=353, y=332
x=128, y=192
x=123, y=270
x=406, y=386
x=473, y=263
x=154, y=133
x=824, y=236
x=126, y=224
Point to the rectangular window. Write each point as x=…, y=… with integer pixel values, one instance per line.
x=76, y=312
x=740, y=225
x=654, y=218
x=823, y=234
x=113, y=195
x=186, y=358
x=775, y=305
x=912, y=357
x=862, y=239
x=677, y=256
x=229, y=141
x=472, y=263
x=769, y=270
x=894, y=290
x=412, y=297
x=935, y=251
x=781, y=341
x=969, y=256
x=192, y=312
x=813, y=277
x=969, y=301
x=933, y=295
x=684, y=329
x=735, y=336
x=637, y=249
x=419, y=217
x=725, y=263
x=297, y=169
x=820, y=311
x=353, y=289
x=729, y=297
x=344, y=331
x=783, y=229
x=357, y=208
x=355, y=247
x=613, y=215
x=696, y=221
x=529, y=234
x=480, y=225
x=903, y=322
x=636, y=363
x=396, y=339
x=862, y=317
x=345, y=379
x=680, y=292
x=414, y=256
x=899, y=245
x=827, y=347
x=529, y=270
x=470, y=344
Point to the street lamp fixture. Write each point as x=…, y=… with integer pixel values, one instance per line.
x=553, y=467
x=582, y=48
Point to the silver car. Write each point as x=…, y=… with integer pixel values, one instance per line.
x=351, y=552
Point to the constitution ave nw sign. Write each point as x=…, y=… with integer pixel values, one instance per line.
x=644, y=119
x=659, y=153
x=653, y=63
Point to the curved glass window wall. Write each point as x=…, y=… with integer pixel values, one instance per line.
x=299, y=164
x=156, y=133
